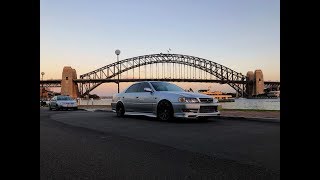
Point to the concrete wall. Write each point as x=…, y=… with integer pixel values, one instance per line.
x=68, y=87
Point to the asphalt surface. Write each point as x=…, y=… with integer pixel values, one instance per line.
x=98, y=145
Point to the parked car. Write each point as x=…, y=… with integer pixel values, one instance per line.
x=62, y=102
x=164, y=101
x=43, y=103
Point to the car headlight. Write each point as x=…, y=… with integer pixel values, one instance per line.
x=215, y=100
x=188, y=100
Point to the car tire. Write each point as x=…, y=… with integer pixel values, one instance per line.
x=120, y=109
x=50, y=108
x=76, y=108
x=57, y=108
x=164, y=111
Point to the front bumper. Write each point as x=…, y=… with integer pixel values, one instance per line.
x=68, y=105
x=113, y=106
x=193, y=110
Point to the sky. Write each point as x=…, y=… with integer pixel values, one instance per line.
x=243, y=35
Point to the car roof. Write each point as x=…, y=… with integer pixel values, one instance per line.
x=62, y=95
x=151, y=81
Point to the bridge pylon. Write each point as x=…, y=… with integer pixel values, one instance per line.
x=255, y=83
x=68, y=86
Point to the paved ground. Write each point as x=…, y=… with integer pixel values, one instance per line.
x=97, y=145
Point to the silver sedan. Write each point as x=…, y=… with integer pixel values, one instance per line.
x=62, y=102
x=164, y=101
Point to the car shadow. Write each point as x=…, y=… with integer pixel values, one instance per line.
x=175, y=120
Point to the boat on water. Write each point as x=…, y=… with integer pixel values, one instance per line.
x=222, y=97
x=273, y=94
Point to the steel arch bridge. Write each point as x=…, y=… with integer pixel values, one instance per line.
x=173, y=67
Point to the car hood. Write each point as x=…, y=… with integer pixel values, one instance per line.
x=186, y=94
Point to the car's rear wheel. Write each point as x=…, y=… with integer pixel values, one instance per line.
x=120, y=110
x=164, y=111
x=50, y=108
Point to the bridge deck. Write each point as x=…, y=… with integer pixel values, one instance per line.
x=58, y=81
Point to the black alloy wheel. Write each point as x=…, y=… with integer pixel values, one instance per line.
x=120, y=110
x=165, y=111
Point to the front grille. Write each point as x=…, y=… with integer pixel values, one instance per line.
x=208, y=109
x=206, y=100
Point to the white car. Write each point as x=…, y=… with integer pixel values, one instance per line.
x=62, y=102
x=164, y=101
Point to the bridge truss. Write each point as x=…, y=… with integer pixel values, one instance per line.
x=167, y=67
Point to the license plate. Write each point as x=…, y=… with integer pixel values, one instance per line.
x=208, y=109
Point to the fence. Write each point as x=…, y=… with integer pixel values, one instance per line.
x=94, y=101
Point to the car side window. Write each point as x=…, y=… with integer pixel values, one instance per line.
x=133, y=88
x=142, y=86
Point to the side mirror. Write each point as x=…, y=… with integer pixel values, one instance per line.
x=147, y=90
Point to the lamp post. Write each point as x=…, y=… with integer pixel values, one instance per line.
x=117, y=53
x=242, y=86
x=42, y=73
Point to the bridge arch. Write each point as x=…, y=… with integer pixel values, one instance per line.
x=109, y=71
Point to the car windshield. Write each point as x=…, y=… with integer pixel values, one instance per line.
x=64, y=98
x=164, y=86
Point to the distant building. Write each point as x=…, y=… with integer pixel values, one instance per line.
x=43, y=93
x=46, y=94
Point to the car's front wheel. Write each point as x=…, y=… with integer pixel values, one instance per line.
x=164, y=111
x=120, y=109
x=50, y=107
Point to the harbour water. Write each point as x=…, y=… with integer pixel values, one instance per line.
x=265, y=104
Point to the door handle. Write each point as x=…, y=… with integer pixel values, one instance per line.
x=137, y=97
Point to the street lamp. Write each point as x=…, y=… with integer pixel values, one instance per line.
x=117, y=53
x=42, y=73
